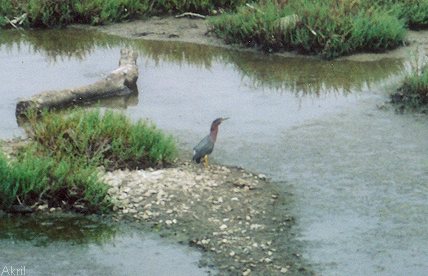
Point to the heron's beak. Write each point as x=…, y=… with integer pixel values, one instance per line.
x=224, y=119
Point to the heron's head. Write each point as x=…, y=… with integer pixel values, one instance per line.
x=217, y=122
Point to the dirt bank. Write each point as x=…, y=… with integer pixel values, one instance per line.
x=197, y=31
x=163, y=28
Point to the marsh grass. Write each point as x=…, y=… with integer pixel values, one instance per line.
x=252, y=27
x=200, y=6
x=109, y=139
x=53, y=13
x=105, y=11
x=329, y=28
x=60, y=165
x=413, y=12
x=413, y=92
x=50, y=13
x=65, y=183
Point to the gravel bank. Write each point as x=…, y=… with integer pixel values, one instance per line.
x=237, y=218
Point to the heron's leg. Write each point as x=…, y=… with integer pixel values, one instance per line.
x=206, y=161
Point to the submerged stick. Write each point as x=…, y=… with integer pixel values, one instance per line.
x=122, y=81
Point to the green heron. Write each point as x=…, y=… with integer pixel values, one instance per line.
x=206, y=145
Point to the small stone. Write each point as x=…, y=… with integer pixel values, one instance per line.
x=168, y=222
x=284, y=270
x=241, y=183
x=125, y=211
x=256, y=226
x=232, y=253
x=262, y=176
x=52, y=209
x=246, y=272
x=150, y=192
x=42, y=207
x=145, y=216
x=223, y=227
x=205, y=241
x=267, y=260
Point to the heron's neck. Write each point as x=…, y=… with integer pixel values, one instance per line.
x=213, y=133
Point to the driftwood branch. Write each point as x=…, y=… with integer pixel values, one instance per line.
x=17, y=20
x=190, y=14
x=119, y=82
x=11, y=23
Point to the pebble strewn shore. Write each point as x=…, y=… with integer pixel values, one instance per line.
x=227, y=212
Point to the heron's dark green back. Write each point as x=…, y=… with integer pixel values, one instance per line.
x=204, y=147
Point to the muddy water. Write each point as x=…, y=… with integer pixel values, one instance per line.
x=357, y=174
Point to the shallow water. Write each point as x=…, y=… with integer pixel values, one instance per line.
x=358, y=174
x=73, y=245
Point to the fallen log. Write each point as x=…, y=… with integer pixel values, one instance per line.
x=120, y=82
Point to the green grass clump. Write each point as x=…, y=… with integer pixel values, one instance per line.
x=33, y=177
x=329, y=28
x=253, y=27
x=108, y=139
x=53, y=13
x=60, y=165
x=105, y=11
x=49, y=12
x=413, y=93
x=199, y=6
x=413, y=12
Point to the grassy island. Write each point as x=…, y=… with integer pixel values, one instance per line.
x=59, y=165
